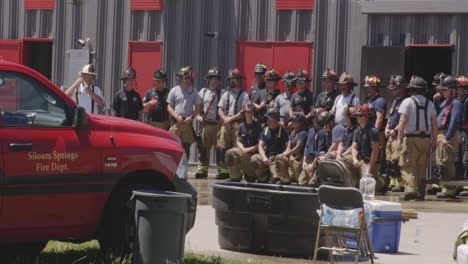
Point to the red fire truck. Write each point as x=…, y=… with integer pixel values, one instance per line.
x=68, y=175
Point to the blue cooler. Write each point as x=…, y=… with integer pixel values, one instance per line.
x=386, y=226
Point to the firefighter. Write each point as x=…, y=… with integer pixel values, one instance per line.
x=127, y=103
x=349, y=112
x=397, y=86
x=266, y=97
x=238, y=158
x=448, y=139
x=289, y=163
x=303, y=99
x=86, y=93
x=273, y=141
x=438, y=98
x=326, y=99
x=417, y=122
x=365, y=148
x=184, y=106
x=463, y=84
x=283, y=101
x=346, y=98
x=260, y=70
x=210, y=123
x=155, y=101
x=230, y=113
x=322, y=142
x=309, y=156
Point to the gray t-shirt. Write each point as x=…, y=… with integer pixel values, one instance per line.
x=233, y=109
x=408, y=107
x=283, y=103
x=183, y=100
x=210, y=98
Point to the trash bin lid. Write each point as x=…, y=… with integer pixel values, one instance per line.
x=161, y=194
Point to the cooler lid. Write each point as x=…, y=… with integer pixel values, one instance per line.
x=384, y=206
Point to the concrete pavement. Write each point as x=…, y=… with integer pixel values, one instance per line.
x=428, y=239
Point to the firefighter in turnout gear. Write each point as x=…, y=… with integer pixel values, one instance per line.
x=463, y=85
x=417, y=123
x=448, y=140
x=260, y=70
x=303, y=99
x=184, y=106
x=326, y=99
x=290, y=161
x=266, y=97
x=365, y=148
x=155, y=101
x=283, y=101
x=273, y=141
x=210, y=123
x=230, y=112
x=397, y=86
x=238, y=158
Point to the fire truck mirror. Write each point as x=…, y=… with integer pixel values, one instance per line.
x=79, y=118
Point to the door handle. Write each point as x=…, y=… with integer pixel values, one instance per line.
x=20, y=147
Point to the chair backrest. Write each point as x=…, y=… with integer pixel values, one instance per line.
x=341, y=198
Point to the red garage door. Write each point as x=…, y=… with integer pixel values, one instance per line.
x=145, y=57
x=282, y=56
x=10, y=50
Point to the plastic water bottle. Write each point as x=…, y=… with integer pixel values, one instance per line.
x=367, y=186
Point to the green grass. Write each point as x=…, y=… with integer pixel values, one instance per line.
x=88, y=253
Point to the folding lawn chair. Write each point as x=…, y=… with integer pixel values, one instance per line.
x=343, y=198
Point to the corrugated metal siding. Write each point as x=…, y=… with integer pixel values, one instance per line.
x=403, y=30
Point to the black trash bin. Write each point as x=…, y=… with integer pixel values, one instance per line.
x=266, y=218
x=160, y=225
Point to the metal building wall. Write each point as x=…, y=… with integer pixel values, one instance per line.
x=403, y=30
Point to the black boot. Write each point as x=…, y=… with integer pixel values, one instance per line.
x=222, y=176
x=249, y=178
x=411, y=196
x=201, y=175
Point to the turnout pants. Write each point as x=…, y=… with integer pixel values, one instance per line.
x=238, y=163
x=261, y=170
x=360, y=171
x=446, y=158
x=289, y=169
x=208, y=136
x=226, y=140
x=414, y=162
x=186, y=133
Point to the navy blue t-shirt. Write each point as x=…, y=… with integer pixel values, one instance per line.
x=377, y=104
x=301, y=137
x=310, y=144
x=338, y=133
x=302, y=101
x=348, y=138
x=275, y=140
x=394, y=117
x=127, y=104
x=250, y=133
x=365, y=137
x=323, y=141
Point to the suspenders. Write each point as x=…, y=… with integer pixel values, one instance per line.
x=418, y=108
x=92, y=101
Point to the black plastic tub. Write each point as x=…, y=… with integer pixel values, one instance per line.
x=266, y=218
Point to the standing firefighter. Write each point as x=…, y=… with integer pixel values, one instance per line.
x=303, y=99
x=417, y=122
x=283, y=101
x=346, y=98
x=209, y=120
x=86, y=94
x=260, y=70
x=127, y=103
x=155, y=101
x=463, y=84
x=448, y=122
x=184, y=106
x=229, y=110
x=273, y=140
x=397, y=85
x=290, y=161
x=238, y=158
x=266, y=97
x=326, y=99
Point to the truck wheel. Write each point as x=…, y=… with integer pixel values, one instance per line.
x=117, y=233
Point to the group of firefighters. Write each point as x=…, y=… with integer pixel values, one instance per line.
x=267, y=135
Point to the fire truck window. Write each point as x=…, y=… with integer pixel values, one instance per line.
x=27, y=102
